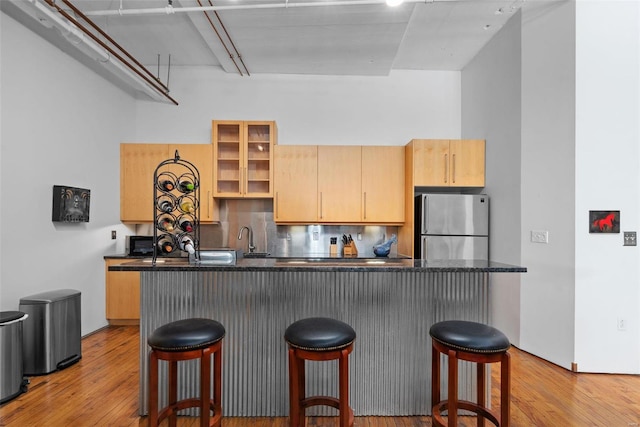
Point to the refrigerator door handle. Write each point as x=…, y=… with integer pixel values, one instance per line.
x=425, y=213
x=423, y=249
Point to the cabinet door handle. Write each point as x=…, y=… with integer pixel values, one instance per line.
x=277, y=207
x=446, y=167
x=321, y=205
x=453, y=168
x=365, y=205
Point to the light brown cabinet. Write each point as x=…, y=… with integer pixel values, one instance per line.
x=295, y=179
x=138, y=163
x=339, y=184
x=243, y=157
x=122, y=295
x=383, y=184
x=448, y=163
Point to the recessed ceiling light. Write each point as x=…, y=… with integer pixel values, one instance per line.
x=499, y=11
x=486, y=27
x=394, y=3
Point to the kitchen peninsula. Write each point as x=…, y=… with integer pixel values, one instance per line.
x=391, y=303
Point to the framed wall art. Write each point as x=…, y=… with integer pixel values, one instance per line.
x=70, y=204
x=604, y=221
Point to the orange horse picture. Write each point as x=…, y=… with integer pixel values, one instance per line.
x=604, y=221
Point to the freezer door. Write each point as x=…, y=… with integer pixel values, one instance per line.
x=454, y=247
x=454, y=214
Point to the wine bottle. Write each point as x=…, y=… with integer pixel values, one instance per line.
x=166, y=185
x=186, y=185
x=186, y=244
x=166, y=203
x=166, y=223
x=166, y=244
x=186, y=224
x=187, y=206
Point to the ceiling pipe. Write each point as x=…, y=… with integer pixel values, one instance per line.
x=75, y=32
x=231, y=41
x=79, y=13
x=220, y=38
x=170, y=9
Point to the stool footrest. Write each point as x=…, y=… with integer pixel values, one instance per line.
x=438, y=420
x=191, y=403
x=321, y=400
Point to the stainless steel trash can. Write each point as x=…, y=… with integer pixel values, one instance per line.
x=52, y=331
x=12, y=381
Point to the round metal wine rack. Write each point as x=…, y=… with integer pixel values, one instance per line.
x=174, y=202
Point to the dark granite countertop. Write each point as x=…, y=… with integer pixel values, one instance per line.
x=323, y=264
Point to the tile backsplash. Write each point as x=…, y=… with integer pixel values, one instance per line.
x=281, y=240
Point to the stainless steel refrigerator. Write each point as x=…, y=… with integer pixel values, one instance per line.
x=452, y=226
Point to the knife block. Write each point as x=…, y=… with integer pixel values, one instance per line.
x=350, y=249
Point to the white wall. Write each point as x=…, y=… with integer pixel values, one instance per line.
x=308, y=109
x=607, y=177
x=61, y=125
x=491, y=110
x=548, y=182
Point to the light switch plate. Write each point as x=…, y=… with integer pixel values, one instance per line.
x=539, y=236
x=630, y=238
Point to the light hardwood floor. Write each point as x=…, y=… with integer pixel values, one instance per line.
x=102, y=390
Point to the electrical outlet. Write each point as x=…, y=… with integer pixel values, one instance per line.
x=113, y=234
x=288, y=236
x=359, y=236
x=630, y=238
x=316, y=235
x=539, y=236
x=622, y=324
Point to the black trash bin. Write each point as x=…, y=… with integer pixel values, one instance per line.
x=12, y=381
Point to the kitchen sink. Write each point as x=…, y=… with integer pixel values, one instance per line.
x=255, y=255
x=334, y=261
x=224, y=256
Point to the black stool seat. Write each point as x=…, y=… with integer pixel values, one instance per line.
x=471, y=337
x=319, y=334
x=179, y=341
x=187, y=334
x=318, y=339
x=477, y=343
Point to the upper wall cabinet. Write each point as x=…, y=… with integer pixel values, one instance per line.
x=448, y=163
x=138, y=163
x=383, y=184
x=339, y=184
x=295, y=180
x=243, y=156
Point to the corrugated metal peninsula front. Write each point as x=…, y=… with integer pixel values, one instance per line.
x=390, y=367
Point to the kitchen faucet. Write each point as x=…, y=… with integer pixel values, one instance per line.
x=251, y=247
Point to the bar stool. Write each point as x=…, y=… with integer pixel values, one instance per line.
x=318, y=338
x=473, y=342
x=185, y=340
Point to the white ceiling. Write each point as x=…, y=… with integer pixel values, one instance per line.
x=368, y=39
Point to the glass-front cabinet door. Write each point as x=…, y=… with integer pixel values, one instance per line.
x=243, y=156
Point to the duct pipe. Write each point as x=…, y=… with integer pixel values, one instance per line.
x=285, y=5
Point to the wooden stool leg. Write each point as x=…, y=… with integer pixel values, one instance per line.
x=217, y=379
x=343, y=379
x=294, y=389
x=205, y=387
x=153, y=390
x=481, y=387
x=173, y=390
x=505, y=389
x=452, y=412
x=435, y=376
